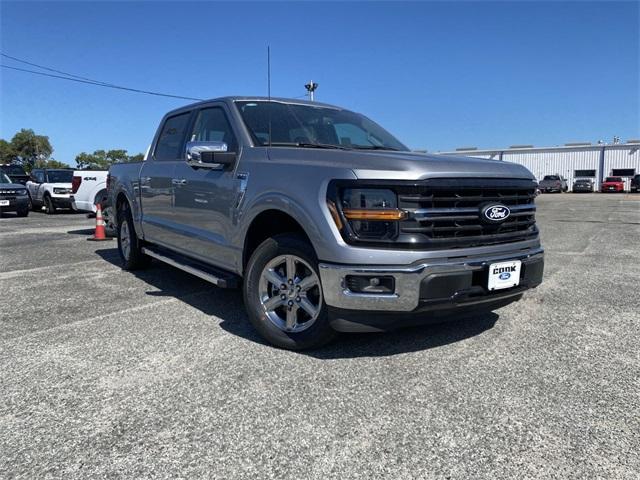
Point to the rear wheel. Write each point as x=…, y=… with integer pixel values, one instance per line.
x=283, y=294
x=129, y=245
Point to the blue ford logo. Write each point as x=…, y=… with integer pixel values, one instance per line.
x=505, y=276
x=495, y=213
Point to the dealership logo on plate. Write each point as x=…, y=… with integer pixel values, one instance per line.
x=495, y=213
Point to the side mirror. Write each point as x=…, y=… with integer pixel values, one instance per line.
x=212, y=155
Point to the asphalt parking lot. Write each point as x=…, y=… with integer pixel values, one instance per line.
x=107, y=373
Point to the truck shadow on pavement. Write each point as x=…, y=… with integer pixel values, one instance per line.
x=227, y=305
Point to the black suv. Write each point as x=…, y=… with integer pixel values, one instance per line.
x=15, y=173
x=634, y=185
x=583, y=185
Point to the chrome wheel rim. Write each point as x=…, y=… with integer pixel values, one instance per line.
x=290, y=293
x=125, y=240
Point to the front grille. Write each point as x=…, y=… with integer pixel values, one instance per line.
x=446, y=213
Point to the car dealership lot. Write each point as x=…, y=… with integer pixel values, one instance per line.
x=157, y=373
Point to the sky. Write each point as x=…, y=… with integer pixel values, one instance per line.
x=437, y=75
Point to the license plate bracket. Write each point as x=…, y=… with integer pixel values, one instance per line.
x=504, y=275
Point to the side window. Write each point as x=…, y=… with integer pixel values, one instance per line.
x=212, y=126
x=169, y=146
x=38, y=176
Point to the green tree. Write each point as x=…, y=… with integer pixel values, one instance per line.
x=102, y=159
x=7, y=152
x=50, y=163
x=30, y=147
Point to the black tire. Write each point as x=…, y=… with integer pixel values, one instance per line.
x=319, y=332
x=49, y=207
x=131, y=258
x=31, y=206
x=23, y=212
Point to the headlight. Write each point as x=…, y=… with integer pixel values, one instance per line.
x=60, y=191
x=21, y=192
x=371, y=213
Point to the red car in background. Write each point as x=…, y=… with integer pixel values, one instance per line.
x=612, y=184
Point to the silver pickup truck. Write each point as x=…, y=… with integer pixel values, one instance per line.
x=327, y=221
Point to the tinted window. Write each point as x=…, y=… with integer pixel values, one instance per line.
x=613, y=179
x=212, y=126
x=623, y=172
x=38, y=176
x=4, y=178
x=13, y=170
x=59, y=176
x=551, y=177
x=584, y=173
x=169, y=145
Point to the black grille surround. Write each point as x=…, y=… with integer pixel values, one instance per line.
x=445, y=213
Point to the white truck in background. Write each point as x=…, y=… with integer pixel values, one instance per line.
x=88, y=187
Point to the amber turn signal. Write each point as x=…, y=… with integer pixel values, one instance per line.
x=334, y=213
x=365, y=214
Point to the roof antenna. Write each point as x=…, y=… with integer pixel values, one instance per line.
x=269, y=87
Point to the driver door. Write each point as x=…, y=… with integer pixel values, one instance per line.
x=205, y=198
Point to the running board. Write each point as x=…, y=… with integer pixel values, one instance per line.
x=218, y=277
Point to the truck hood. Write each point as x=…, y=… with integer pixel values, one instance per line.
x=386, y=165
x=12, y=186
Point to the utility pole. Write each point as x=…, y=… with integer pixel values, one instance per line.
x=311, y=87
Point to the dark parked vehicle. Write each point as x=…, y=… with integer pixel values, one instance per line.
x=553, y=183
x=634, y=185
x=582, y=185
x=15, y=173
x=13, y=197
x=612, y=184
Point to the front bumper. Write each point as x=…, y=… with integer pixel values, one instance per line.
x=61, y=201
x=441, y=288
x=15, y=203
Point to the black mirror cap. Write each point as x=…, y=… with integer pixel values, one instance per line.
x=222, y=158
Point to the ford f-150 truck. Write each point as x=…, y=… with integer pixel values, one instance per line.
x=327, y=221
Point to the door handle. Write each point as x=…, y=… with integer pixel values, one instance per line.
x=179, y=181
x=145, y=179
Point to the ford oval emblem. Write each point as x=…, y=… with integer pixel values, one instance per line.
x=505, y=276
x=495, y=213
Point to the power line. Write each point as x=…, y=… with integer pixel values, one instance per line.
x=76, y=78
x=52, y=69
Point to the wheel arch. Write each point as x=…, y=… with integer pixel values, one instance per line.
x=266, y=224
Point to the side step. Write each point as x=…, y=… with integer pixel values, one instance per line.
x=218, y=277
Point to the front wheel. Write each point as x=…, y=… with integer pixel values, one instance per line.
x=23, y=212
x=49, y=208
x=283, y=294
x=129, y=245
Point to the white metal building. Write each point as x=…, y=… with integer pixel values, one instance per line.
x=571, y=161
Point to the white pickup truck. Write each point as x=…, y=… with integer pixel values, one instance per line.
x=88, y=187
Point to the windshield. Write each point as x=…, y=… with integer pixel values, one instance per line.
x=13, y=170
x=551, y=177
x=60, y=176
x=4, y=178
x=297, y=125
x=613, y=179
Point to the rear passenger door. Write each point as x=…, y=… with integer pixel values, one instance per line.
x=156, y=181
x=204, y=197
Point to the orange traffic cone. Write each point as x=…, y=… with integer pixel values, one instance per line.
x=100, y=234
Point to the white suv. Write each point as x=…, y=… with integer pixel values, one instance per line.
x=50, y=188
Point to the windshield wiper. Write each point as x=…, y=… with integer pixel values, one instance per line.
x=374, y=147
x=309, y=145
